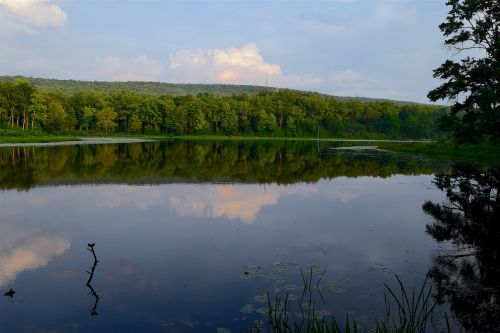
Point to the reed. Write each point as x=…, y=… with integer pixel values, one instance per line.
x=406, y=311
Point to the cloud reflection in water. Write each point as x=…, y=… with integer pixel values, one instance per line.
x=35, y=252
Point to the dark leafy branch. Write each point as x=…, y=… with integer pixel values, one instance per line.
x=473, y=81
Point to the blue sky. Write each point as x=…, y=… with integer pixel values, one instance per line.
x=383, y=49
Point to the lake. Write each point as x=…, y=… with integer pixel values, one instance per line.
x=192, y=236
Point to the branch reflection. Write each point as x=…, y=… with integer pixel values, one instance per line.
x=93, y=311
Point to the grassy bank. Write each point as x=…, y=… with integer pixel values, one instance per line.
x=18, y=136
x=38, y=139
x=265, y=138
x=481, y=153
x=214, y=137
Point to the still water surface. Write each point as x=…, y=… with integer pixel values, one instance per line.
x=191, y=235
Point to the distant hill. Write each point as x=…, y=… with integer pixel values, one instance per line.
x=160, y=88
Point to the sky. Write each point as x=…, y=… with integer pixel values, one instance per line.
x=370, y=48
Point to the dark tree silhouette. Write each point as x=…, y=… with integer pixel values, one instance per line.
x=473, y=82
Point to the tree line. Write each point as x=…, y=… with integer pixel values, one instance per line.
x=269, y=113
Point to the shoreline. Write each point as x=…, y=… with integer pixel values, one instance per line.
x=80, y=141
x=486, y=153
x=72, y=140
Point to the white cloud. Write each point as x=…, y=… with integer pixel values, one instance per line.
x=246, y=65
x=243, y=65
x=140, y=68
x=346, y=82
x=29, y=15
x=333, y=81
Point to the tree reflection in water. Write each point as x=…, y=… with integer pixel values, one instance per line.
x=264, y=162
x=467, y=275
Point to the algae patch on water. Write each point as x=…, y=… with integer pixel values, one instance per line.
x=249, y=308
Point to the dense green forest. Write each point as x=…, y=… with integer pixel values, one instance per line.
x=265, y=113
x=265, y=162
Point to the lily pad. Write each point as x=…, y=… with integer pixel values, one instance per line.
x=279, y=282
x=252, y=272
x=317, y=270
x=290, y=287
x=276, y=289
x=273, y=276
x=307, y=305
x=262, y=310
x=247, y=309
x=334, y=287
x=320, y=314
x=261, y=298
x=284, y=266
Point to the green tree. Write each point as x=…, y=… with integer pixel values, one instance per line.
x=168, y=110
x=196, y=121
x=134, y=123
x=24, y=92
x=106, y=119
x=228, y=119
x=56, y=117
x=88, y=118
x=474, y=80
x=37, y=110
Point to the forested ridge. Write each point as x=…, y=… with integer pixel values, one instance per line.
x=23, y=107
x=161, y=88
x=140, y=87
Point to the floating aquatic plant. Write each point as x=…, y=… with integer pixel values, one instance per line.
x=262, y=310
x=261, y=298
x=252, y=272
x=284, y=266
x=334, y=287
x=273, y=276
x=249, y=308
x=414, y=313
x=290, y=287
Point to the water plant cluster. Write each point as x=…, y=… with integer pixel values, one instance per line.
x=406, y=311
